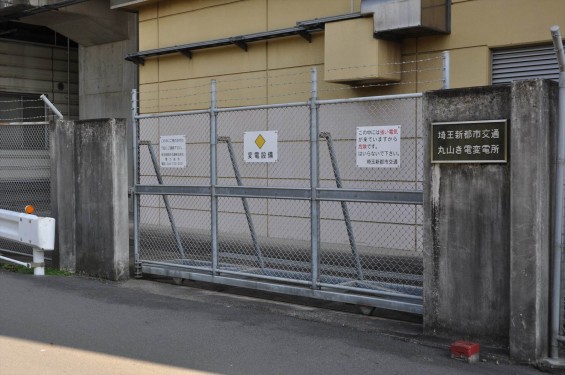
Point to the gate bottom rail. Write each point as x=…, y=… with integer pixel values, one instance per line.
x=328, y=291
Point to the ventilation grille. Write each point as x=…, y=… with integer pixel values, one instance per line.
x=524, y=63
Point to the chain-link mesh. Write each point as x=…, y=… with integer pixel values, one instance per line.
x=272, y=239
x=178, y=235
x=371, y=245
x=364, y=246
x=24, y=173
x=293, y=130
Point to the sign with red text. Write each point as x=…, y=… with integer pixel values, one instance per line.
x=378, y=147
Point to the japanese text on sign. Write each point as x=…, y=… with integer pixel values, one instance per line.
x=469, y=142
x=172, y=151
x=260, y=147
x=378, y=146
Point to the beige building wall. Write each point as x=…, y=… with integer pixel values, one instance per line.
x=277, y=70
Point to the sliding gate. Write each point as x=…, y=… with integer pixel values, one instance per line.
x=320, y=199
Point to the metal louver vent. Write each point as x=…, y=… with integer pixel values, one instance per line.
x=524, y=63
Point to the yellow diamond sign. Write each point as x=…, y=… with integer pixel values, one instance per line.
x=260, y=141
x=260, y=147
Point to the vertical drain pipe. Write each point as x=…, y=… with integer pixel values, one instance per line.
x=558, y=220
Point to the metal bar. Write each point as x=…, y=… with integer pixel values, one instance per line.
x=135, y=166
x=344, y=208
x=52, y=107
x=314, y=180
x=19, y=263
x=172, y=190
x=172, y=114
x=558, y=198
x=385, y=303
x=446, y=70
x=213, y=177
x=244, y=202
x=370, y=99
x=372, y=196
x=263, y=192
x=263, y=106
x=165, y=199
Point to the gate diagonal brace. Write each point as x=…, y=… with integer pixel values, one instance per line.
x=256, y=245
x=328, y=137
x=165, y=197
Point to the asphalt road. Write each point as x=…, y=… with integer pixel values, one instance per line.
x=77, y=325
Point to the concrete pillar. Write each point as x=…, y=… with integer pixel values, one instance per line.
x=91, y=205
x=534, y=119
x=62, y=150
x=488, y=226
x=466, y=270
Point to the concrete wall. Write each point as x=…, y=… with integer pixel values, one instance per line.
x=487, y=240
x=106, y=81
x=89, y=197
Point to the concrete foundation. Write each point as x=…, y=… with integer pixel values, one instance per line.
x=93, y=220
x=487, y=240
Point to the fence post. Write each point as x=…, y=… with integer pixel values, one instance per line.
x=314, y=179
x=213, y=178
x=135, y=165
x=558, y=191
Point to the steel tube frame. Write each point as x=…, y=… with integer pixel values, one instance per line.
x=317, y=286
x=136, y=181
x=314, y=180
x=392, y=304
x=558, y=199
x=213, y=177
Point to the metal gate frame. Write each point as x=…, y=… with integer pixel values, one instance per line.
x=315, y=194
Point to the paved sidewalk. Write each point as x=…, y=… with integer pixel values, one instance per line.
x=78, y=325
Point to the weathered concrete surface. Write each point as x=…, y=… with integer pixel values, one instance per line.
x=486, y=269
x=533, y=133
x=467, y=267
x=101, y=199
x=89, y=197
x=62, y=141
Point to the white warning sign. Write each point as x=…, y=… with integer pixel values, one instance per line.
x=172, y=151
x=378, y=147
x=260, y=147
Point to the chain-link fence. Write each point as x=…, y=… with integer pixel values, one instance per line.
x=309, y=222
x=24, y=160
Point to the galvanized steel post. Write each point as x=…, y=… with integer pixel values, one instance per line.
x=135, y=165
x=314, y=180
x=558, y=191
x=213, y=178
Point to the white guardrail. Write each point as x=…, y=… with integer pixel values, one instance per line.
x=35, y=231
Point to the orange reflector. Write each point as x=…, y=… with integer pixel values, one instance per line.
x=29, y=209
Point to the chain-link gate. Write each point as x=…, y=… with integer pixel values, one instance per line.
x=312, y=224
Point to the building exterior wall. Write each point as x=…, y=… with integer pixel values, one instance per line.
x=477, y=27
x=29, y=68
